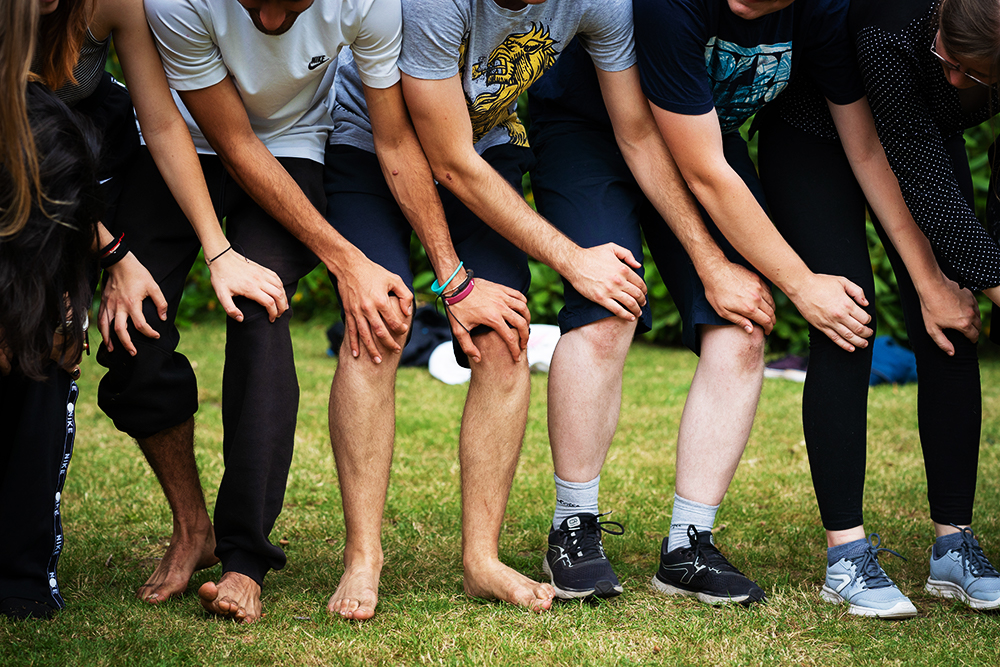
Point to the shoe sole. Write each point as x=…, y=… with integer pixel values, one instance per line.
x=902, y=609
x=667, y=589
x=952, y=591
x=602, y=589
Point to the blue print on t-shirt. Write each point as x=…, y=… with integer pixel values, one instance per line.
x=745, y=78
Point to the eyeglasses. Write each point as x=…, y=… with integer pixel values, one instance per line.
x=955, y=67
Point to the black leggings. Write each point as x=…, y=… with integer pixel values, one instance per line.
x=819, y=208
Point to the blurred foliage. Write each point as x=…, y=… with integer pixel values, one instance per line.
x=316, y=296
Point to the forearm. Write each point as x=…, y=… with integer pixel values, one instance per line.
x=262, y=177
x=173, y=151
x=493, y=200
x=662, y=183
x=409, y=178
x=740, y=218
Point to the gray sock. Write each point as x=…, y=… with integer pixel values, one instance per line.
x=946, y=543
x=689, y=513
x=575, y=498
x=848, y=550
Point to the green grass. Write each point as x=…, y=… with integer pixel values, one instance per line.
x=117, y=523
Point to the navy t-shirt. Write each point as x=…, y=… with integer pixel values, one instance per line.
x=696, y=55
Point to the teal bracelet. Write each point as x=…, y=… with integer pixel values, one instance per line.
x=439, y=289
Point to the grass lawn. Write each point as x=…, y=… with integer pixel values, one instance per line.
x=117, y=523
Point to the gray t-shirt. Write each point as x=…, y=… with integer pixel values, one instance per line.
x=505, y=50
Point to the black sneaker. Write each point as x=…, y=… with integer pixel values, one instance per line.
x=701, y=570
x=575, y=561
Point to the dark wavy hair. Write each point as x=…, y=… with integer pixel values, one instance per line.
x=44, y=269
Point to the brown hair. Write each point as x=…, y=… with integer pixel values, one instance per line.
x=971, y=29
x=60, y=35
x=18, y=23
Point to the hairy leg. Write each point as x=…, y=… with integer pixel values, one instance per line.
x=585, y=392
x=192, y=546
x=727, y=382
x=496, y=411
x=362, y=428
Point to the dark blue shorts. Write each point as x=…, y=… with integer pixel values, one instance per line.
x=583, y=186
x=361, y=207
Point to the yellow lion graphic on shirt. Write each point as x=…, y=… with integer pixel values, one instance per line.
x=513, y=66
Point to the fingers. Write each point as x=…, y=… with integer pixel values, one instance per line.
x=522, y=321
x=121, y=329
x=104, y=325
x=941, y=340
x=352, y=333
x=465, y=342
x=857, y=294
x=231, y=310
x=159, y=301
x=366, y=338
x=619, y=310
x=625, y=255
x=405, y=297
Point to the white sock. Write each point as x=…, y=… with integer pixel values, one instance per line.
x=689, y=513
x=575, y=498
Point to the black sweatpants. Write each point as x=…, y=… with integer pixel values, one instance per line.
x=156, y=389
x=36, y=442
x=819, y=208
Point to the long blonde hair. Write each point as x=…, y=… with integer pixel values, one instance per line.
x=18, y=27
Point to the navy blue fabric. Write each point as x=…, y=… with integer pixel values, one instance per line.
x=583, y=186
x=361, y=207
x=569, y=90
x=714, y=59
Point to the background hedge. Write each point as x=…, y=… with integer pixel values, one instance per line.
x=316, y=297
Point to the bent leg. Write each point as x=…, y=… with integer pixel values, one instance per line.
x=362, y=396
x=585, y=391
x=153, y=395
x=819, y=208
x=362, y=430
x=493, y=422
x=35, y=450
x=727, y=382
x=170, y=454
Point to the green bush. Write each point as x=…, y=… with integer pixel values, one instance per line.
x=317, y=298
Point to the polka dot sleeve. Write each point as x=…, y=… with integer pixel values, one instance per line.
x=915, y=110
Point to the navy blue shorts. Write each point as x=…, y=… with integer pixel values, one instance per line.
x=361, y=207
x=583, y=186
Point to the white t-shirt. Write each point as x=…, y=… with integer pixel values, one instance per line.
x=282, y=79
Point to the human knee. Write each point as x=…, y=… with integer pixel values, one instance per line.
x=496, y=361
x=732, y=348
x=607, y=339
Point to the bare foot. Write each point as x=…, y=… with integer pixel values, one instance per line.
x=236, y=596
x=491, y=579
x=357, y=594
x=184, y=556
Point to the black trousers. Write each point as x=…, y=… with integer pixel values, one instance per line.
x=156, y=389
x=36, y=443
x=819, y=208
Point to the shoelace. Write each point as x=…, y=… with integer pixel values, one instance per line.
x=711, y=555
x=589, y=542
x=868, y=565
x=972, y=556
